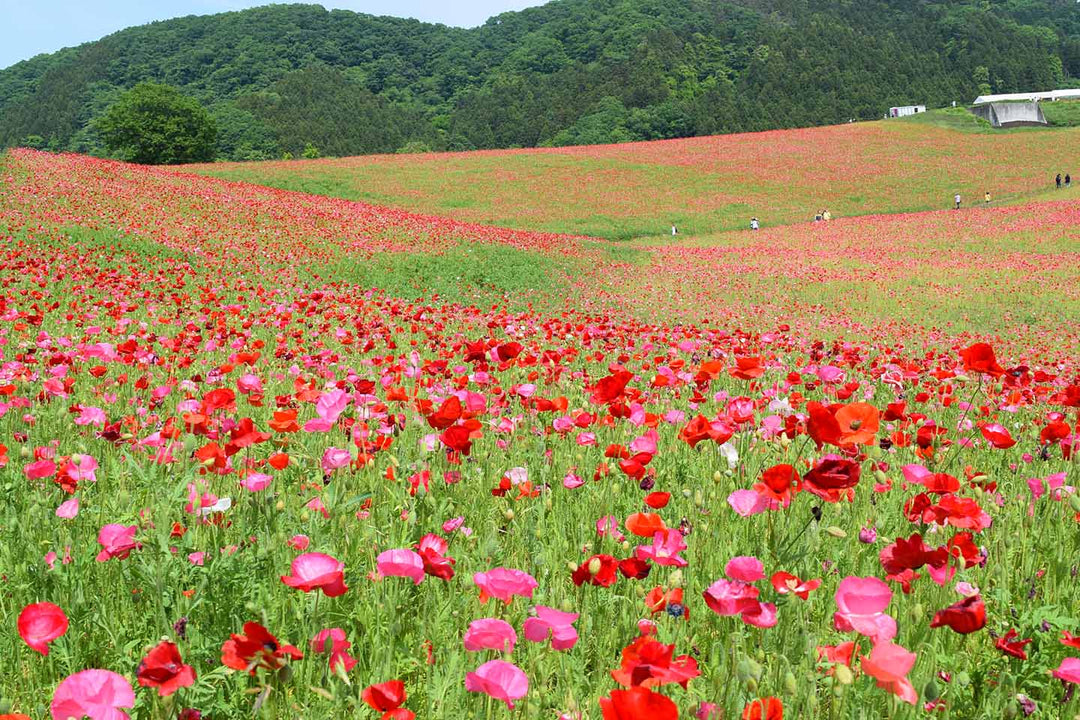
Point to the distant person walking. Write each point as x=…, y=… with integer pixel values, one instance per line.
x=1068, y=180
x=1058, y=181
x=674, y=231
x=826, y=215
x=987, y=197
x=956, y=199
x=754, y=225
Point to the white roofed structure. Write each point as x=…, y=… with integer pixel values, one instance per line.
x=1029, y=97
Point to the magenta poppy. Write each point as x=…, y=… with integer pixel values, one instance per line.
x=312, y=571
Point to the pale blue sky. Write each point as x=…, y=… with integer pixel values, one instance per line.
x=31, y=27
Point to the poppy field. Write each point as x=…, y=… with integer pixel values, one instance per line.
x=703, y=185
x=270, y=454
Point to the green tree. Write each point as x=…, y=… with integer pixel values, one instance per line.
x=157, y=125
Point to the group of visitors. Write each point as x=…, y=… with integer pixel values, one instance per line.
x=823, y=215
x=986, y=199
x=1068, y=180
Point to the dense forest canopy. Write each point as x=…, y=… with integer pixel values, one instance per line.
x=282, y=78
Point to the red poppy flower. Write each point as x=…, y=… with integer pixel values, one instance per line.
x=779, y=483
x=980, y=358
x=657, y=500
x=769, y=708
x=650, y=663
x=164, y=669
x=385, y=696
x=964, y=617
x=634, y=568
x=256, y=648
x=597, y=570
x=858, y=423
x=41, y=623
x=998, y=436
x=833, y=479
x=821, y=425
x=638, y=703
x=1009, y=645
x=645, y=524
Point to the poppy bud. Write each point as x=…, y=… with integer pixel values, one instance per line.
x=747, y=670
x=1012, y=710
x=625, y=544
x=1074, y=502
x=699, y=499
x=594, y=564
x=791, y=686
x=571, y=566
x=675, y=579
x=752, y=686
x=785, y=441
x=881, y=476
x=931, y=691
x=717, y=476
x=305, y=516
x=509, y=515
x=843, y=674
x=279, y=505
x=24, y=452
x=567, y=605
x=917, y=611
x=836, y=532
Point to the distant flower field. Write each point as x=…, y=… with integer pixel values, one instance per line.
x=278, y=455
x=701, y=184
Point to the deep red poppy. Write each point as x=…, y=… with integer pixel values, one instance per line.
x=964, y=617
x=164, y=669
x=638, y=703
x=256, y=648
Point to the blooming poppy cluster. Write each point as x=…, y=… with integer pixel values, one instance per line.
x=243, y=482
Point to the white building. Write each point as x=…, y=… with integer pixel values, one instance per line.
x=1029, y=97
x=905, y=110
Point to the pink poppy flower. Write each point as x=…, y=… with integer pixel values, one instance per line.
x=1068, y=671
x=862, y=602
x=665, y=549
x=762, y=615
x=256, y=482
x=41, y=623
x=317, y=570
x=95, y=694
x=333, y=642
x=572, y=481
x=68, y=509
x=889, y=664
x=490, y=634
x=197, y=558
x=549, y=621
x=745, y=568
x=504, y=583
x=117, y=541
x=500, y=680
x=299, y=542
x=731, y=597
x=334, y=458
x=401, y=563
x=40, y=470
x=748, y=502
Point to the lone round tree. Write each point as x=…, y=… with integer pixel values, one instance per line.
x=156, y=125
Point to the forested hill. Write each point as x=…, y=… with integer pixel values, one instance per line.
x=277, y=78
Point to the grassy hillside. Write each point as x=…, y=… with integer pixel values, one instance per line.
x=570, y=72
x=703, y=184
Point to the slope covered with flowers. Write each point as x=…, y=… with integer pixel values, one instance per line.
x=237, y=479
x=701, y=184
